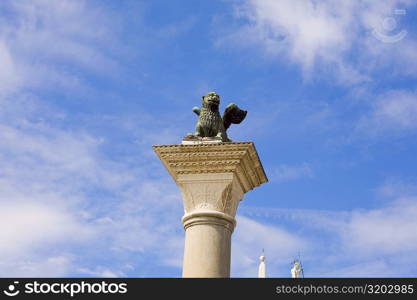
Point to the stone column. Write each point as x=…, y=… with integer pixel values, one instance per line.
x=213, y=179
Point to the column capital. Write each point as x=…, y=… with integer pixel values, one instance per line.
x=240, y=159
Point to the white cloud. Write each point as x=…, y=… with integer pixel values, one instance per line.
x=394, y=111
x=373, y=268
x=9, y=79
x=309, y=29
x=393, y=188
x=37, y=266
x=27, y=226
x=387, y=230
x=62, y=196
x=41, y=41
x=323, y=36
x=59, y=191
x=397, y=109
x=377, y=242
x=101, y=272
x=287, y=173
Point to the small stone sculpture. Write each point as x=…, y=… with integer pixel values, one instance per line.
x=210, y=124
x=297, y=270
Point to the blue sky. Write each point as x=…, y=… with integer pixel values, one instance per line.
x=87, y=87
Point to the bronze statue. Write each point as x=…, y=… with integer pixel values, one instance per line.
x=210, y=123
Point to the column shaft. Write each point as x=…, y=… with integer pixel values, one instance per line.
x=207, y=246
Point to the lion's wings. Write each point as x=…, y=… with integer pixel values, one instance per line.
x=196, y=110
x=233, y=115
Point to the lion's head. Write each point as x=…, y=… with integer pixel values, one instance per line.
x=211, y=100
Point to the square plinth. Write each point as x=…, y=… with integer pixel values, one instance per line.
x=240, y=158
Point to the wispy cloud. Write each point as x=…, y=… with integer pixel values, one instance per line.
x=62, y=196
x=43, y=43
x=388, y=230
x=100, y=272
x=393, y=112
x=394, y=188
x=287, y=173
x=376, y=239
x=28, y=226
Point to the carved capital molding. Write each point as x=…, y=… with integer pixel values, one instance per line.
x=240, y=159
x=219, y=192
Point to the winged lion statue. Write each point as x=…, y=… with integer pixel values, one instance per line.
x=210, y=123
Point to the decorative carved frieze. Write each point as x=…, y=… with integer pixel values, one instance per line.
x=210, y=192
x=240, y=159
